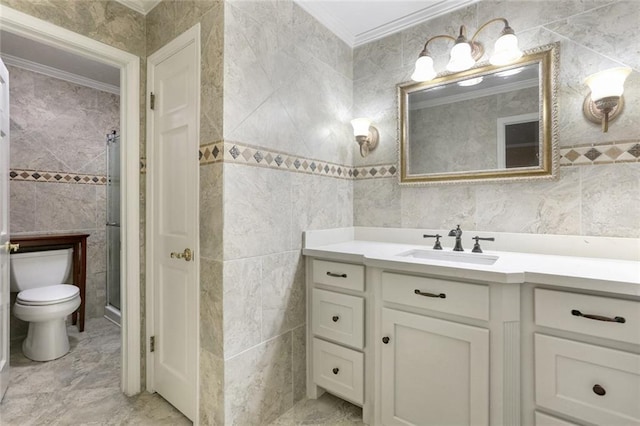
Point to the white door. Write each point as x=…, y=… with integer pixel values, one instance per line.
x=4, y=229
x=434, y=372
x=173, y=178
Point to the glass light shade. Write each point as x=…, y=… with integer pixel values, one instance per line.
x=505, y=50
x=361, y=126
x=470, y=82
x=461, y=58
x=424, y=69
x=607, y=83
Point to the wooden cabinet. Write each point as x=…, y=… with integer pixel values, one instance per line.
x=434, y=372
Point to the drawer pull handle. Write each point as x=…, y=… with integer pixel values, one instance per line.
x=336, y=370
x=441, y=295
x=333, y=274
x=577, y=313
x=335, y=318
x=599, y=390
x=385, y=340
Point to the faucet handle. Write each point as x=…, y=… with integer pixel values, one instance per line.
x=437, y=245
x=476, y=246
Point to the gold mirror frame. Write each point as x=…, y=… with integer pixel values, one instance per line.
x=547, y=57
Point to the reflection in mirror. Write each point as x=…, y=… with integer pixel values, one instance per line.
x=486, y=123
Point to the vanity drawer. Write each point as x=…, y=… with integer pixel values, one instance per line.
x=338, y=317
x=452, y=297
x=339, y=370
x=343, y=275
x=592, y=383
x=547, y=420
x=562, y=310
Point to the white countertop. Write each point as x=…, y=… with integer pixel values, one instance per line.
x=589, y=273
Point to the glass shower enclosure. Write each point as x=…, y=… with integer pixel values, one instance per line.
x=112, y=309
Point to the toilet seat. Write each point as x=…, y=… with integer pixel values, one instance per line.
x=50, y=295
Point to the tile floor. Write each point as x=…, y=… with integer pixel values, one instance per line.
x=83, y=387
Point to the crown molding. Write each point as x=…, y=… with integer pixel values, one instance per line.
x=318, y=10
x=140, y=6
x=59, y=74
x=441, y=8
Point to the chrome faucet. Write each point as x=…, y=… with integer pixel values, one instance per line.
x=458, y=234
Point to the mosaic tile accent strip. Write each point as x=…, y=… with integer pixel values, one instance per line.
x=56, y=177
x=604, y=153
x=233, y=152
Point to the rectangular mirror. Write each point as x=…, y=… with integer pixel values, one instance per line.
x=486, y=123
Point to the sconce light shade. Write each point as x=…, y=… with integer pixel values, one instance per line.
x=461, y=58
x=361, y=126
x=424, y=70
x=604, y=103
x=505, y=50
x=366, y=135
x=607, y=83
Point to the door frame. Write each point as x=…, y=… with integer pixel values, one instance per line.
x=45, y=32
x=192, y=35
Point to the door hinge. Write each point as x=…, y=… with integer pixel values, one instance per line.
x=152, y=344
x=152, y=101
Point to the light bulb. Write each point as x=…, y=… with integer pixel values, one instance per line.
x=461, y=58
x=424, y=70
x=505, y=50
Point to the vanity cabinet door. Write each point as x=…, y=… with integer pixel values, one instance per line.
x=434, y=372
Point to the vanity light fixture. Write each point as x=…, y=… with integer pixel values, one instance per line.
x=366, y=135
x=465, y=53
x=605, y=102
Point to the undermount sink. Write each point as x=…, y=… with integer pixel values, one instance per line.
x=452, y=256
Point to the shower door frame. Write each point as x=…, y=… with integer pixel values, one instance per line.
x=45, y=32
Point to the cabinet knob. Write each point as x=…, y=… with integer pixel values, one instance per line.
x=336, y=370
x=385, y=340
x=335, y=318
x=599, y=390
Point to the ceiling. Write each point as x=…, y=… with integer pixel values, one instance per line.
x=359, y=22
x=38, y=57
x=355, y=21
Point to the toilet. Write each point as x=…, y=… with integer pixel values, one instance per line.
x=43, y=301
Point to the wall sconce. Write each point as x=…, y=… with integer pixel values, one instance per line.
x=465, y=53
x=366, y=135
x=605, y=101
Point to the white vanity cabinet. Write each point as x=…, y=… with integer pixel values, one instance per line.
x=336, y=332
x=433, y=371
x=586, y=357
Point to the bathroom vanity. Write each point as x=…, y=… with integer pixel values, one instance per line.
x=539, y=330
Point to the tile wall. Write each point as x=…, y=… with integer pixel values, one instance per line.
x=58, y=166
x=598, y=190
x=287, y=100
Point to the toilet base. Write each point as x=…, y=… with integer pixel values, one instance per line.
x=46, y=340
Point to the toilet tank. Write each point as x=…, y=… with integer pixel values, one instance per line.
x=40, y=268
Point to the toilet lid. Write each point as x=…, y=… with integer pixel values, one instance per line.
x=48, y=295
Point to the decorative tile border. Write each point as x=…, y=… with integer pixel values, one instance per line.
x=56, y=177
x=238, y=153
x=603, y=153
x=232, y=152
